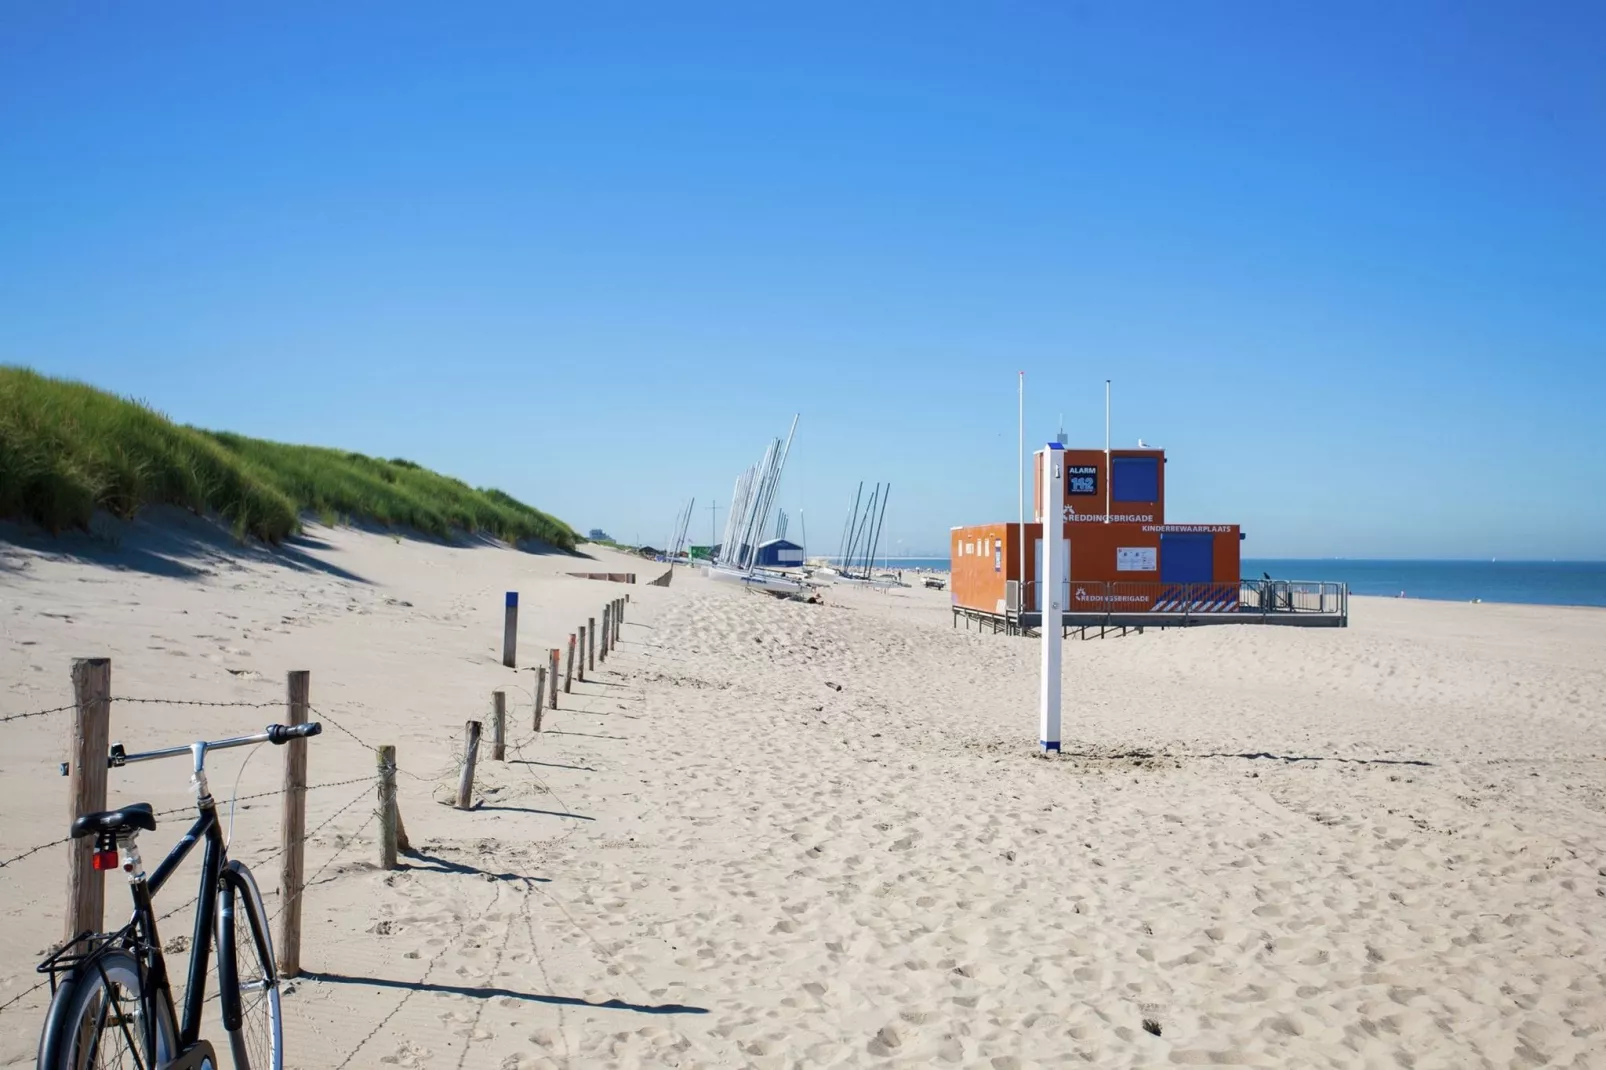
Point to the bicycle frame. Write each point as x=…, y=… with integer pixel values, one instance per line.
x=140, y=937
x=213, y=859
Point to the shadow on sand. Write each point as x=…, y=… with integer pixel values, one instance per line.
x=531, y=810
x=165, y=541
x=1266, y=756
x=172, y=542
x=494, y=993
x=551, y=765
x=427, y=863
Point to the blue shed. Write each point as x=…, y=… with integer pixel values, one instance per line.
x=778, y=553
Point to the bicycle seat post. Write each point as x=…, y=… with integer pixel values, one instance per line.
x=203, y=794
x=133, y=865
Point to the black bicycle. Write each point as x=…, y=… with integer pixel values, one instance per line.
x=112, y=1004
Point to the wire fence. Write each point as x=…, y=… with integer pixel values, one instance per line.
x=342, y=838
x=36, y=713
x=85, y=708
x=321, y=715
x=198, y=702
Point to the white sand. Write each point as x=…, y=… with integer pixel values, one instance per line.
x=716, y=858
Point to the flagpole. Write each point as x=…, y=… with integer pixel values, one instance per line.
x=1109, y=475
x=1020, y=472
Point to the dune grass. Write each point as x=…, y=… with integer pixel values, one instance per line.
x=68, y=450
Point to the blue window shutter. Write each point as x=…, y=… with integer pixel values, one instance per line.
x=1187, y=557
x=1137, y=479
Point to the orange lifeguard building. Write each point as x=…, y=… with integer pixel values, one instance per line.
x=1124, y=557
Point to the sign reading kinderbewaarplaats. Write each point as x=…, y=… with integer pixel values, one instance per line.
x=1136, y=559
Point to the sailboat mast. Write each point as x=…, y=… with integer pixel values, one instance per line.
x=847, y=527
x=774, y=483
x=880, y=523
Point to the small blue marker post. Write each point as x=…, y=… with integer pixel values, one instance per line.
x=510, y=630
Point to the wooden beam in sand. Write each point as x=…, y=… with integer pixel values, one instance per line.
x=471, y=753
x=568, y=667
x=540, y=695
x=498, y=726
x=87, y=740
x=385, y=759
x=293, y=826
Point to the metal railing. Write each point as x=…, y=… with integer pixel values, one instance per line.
x=1263, y=597
x=1294, y=596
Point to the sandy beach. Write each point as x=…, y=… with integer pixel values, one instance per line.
x=783, y=835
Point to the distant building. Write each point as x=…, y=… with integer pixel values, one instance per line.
x=778, y=553
x=598, y=535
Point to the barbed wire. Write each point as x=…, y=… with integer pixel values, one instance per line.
x=269, y=794
x=284, y=900
x=187, y=904
x=323, y=715
x=35, y=850
x=24, y=994
x=412, y=990
x=36, y=713
x=326, y=821
x=342, y=849
x=198, y=702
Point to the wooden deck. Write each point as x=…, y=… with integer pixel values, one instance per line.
x=1028, y=623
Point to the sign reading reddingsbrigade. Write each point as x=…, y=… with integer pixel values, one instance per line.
x=1081, y=479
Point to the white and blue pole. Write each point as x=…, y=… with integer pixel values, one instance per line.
x=510, y=630
x=1050, y=599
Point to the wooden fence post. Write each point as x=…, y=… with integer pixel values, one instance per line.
x=552, y=681
x=471, y=753
x=580, y=668
x=499, y=726
x=568, y=667
x=87, y=741
x=607, y=631
x=591, y=643
x=293, y=826
x=540, y=695
x=387, y=807
x=510, y=630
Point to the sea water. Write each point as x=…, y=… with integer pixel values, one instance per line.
x=1545, y=583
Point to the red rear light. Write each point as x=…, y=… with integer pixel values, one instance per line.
x=105, y=859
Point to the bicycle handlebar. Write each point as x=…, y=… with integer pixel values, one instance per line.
x=284, y=733
x=274, y=733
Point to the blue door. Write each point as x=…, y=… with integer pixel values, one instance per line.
x=1187, y=557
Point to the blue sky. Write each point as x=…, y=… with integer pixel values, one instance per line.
x=1344, y=264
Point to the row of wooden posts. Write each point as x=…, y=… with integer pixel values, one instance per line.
x=582, y=652
x=88, y=744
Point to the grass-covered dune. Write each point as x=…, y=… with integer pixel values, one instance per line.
x=67, y=450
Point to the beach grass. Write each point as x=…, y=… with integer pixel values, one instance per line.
x=68, y=450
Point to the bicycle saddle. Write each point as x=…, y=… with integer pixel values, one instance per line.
x=112, y=822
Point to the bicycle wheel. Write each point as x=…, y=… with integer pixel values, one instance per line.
x=98, y=1021
x=245, y=967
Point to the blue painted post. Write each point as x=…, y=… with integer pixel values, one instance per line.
x=510, y=630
